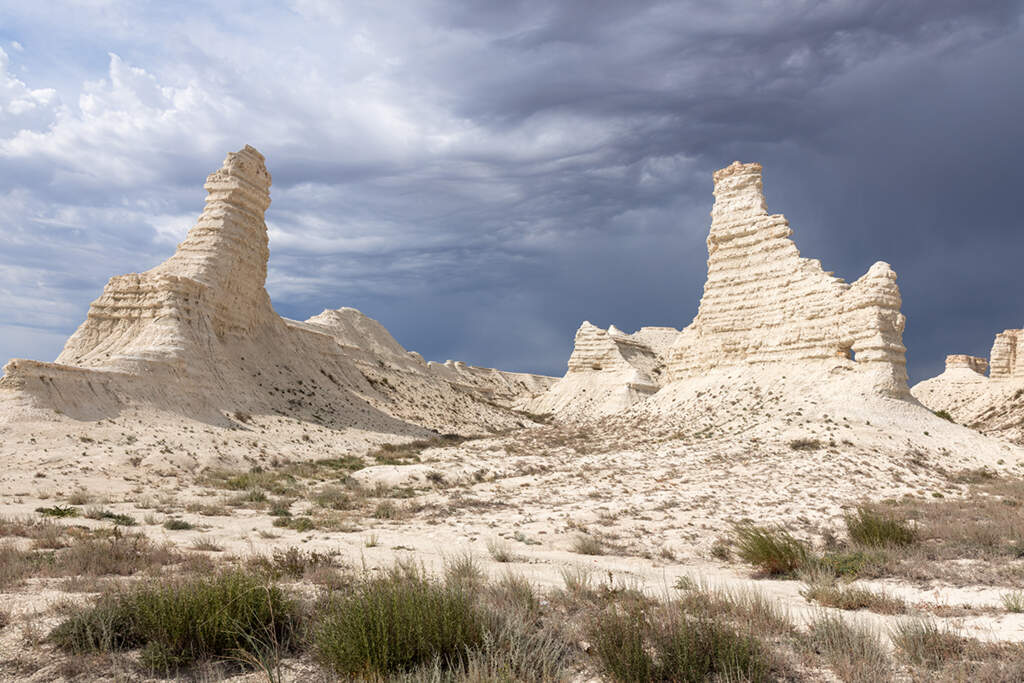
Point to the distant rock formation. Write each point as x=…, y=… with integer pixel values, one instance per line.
x=992, y=404
x=763, y=303
x=609, y=371
x=763, y=306
x=197, y=336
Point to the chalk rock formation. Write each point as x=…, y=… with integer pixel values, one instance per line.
x=1008, y=355
x=197, y=336
x=609, y=371
x=764, y=304
x=992, y=404
x=975, y=364
x=764, y=307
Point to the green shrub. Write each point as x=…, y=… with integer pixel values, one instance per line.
x=394, y=623
x=944, y=414
x=301, y=524
x=633, y=646
x=773, y=551
x=850, y=563
x=232, y=616
x=868, y=527
x=620, y=644
x=58, y=511
x=177, y=525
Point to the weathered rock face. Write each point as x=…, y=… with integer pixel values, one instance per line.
x=212, y=288
x=764, y=304
x=197, y=335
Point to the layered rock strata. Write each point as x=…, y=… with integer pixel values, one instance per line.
x=197, y=336
x=765, y=304
x=764, y=307
x=992, y=404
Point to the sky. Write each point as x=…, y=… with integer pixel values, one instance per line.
x=481, y=177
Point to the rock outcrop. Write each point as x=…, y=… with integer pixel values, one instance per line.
x=197, y=336
x=992, y=404
x=609, y=371
x=1007, y=356
x=763, y=307
x=764, y=304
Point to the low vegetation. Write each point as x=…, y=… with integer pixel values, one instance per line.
x=775, y=552
x=232, y=616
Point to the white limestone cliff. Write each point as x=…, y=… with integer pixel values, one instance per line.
x=197, y=336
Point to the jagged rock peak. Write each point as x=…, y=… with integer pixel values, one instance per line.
x=763, y=303
x=229, y=241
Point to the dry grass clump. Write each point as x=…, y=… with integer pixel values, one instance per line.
x=872, y=528
x=831, y=594
x=501, y=551
x=854, y=653
x=585, y=544
x=1014, y=601
x=114, y=554
x=947, y=655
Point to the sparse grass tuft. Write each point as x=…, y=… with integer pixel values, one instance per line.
x=871, y=528
x=854, y=653
x=829, y=594
x=1014, y=601
x=501, y=551
x=805, y=444
x=924, y=642
x=774, y=551
x=585, y=544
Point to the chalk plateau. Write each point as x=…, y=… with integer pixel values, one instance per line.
x=992, y=403
x=196, y=337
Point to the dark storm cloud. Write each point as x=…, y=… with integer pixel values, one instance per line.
x=483, y=176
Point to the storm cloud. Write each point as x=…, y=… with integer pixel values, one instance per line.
x=481, y=177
